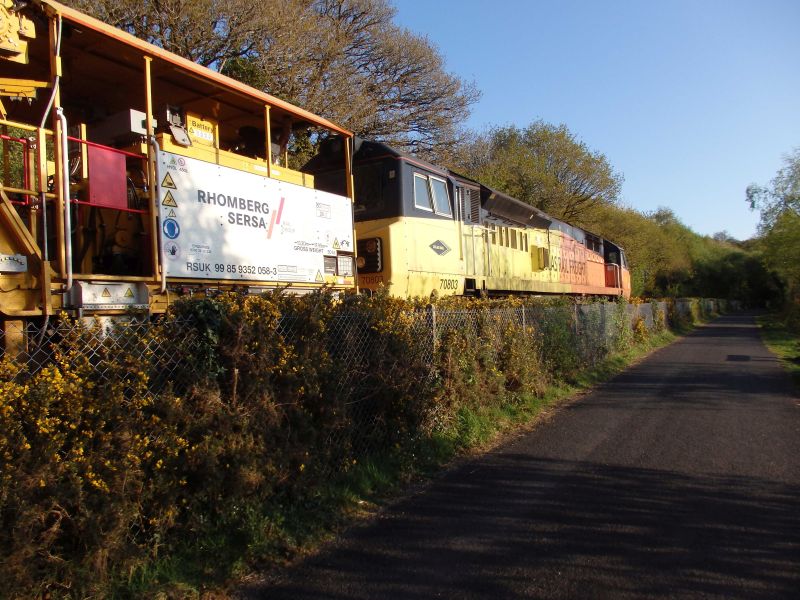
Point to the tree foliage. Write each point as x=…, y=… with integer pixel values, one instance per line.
x=343, y=59
x=781, y=196
x=779, y=204
x=544, y=165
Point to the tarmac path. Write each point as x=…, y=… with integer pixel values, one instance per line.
x=680, y=478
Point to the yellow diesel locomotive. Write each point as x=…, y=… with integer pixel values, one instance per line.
x=422, y=229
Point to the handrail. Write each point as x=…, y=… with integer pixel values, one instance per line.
x=156, y=187
x=65, y=190
x=89, y=144
x=23, y=126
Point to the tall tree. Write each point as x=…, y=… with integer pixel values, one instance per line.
x=343, y=59
x=779, y=204
x=781, y=196
x=544, y=165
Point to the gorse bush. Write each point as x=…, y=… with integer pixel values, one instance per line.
x=141, y=441
x=86, y=466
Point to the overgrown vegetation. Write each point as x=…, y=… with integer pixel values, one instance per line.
x=782, y=337
x=277, y=416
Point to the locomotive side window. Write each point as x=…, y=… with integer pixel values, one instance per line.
x=430, y=193
x=440, y=199
x=422, y=195
x=593, y=243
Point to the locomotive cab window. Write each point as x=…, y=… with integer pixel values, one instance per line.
x=371, y=182
x=422, y=194
x=430, y=193
x=441, y=201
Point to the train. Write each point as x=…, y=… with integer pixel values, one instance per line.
x=422, y=229
x=131, y=176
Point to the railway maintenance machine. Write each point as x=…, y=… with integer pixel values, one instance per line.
x=130, y=176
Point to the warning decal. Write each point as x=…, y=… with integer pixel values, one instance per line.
x=169, y=200
x=129, y=293
x=106, y=293
x=168, y=183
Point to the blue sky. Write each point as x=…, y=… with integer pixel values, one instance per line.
x=690, y=100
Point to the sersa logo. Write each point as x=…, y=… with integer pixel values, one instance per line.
x=440, y=247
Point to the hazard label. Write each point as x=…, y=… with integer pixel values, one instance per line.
x=129, y=293
x=319, y=277
x=106, y=293
x=171, y=213
x=169, y=200
x=168, y=182
x=336, y=245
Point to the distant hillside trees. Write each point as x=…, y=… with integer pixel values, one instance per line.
x=667, y=258
x=343, y=59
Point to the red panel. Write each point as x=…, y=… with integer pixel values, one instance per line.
x=107, y=180
x=612, y=276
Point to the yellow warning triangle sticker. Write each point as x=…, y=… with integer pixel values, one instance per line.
x=319, y=276
x=129, y=293
x=169, y=200
x=106, y=293
x=168, y=182
x=171, y=213
x=336, y=245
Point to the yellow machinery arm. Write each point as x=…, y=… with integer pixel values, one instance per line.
x=15, y=30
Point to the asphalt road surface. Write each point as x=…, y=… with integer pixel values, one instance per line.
x=678, y=479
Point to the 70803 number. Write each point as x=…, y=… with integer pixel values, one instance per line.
x=448, y=284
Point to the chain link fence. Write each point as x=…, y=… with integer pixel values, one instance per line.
x=349, y=339
x=176, y=356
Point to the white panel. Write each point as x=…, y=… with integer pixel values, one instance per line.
x=221, y=223
x=13, y=263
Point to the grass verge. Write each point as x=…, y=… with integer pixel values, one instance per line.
x=783, y=342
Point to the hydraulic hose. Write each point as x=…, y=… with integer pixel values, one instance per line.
x=65, y=192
